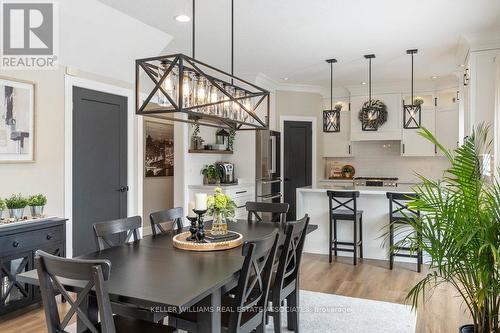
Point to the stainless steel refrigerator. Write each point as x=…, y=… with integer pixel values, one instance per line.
x=268, y=169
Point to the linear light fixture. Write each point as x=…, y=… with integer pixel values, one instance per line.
x=180, y=88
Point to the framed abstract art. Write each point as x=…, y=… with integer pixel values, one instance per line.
x=17, y=112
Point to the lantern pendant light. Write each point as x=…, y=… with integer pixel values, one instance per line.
x=412, y=113
x=371, y=113
x=331, y=117
x=188, y=90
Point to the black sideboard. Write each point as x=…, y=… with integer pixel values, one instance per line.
x=18, y=243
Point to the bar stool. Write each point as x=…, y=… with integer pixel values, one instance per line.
x=399, y=213
x=347, y=200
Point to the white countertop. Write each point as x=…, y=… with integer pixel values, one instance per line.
x=362, y=189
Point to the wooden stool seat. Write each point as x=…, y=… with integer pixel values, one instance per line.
x=402, y=219
x=345, y=214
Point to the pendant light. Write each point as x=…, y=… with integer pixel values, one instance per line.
x=203, y=94
x=370, y=112
x=331, y=117
x=412, y=113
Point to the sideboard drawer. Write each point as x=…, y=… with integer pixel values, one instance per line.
x=31, y=239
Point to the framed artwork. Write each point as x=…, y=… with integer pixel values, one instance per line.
x=16, y=121
x=159, y=150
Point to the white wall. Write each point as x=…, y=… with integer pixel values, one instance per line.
x=293, y=103
x=46, y=174
x=100, y=39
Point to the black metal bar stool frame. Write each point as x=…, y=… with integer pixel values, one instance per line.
x=399, y=213
x=348, y=201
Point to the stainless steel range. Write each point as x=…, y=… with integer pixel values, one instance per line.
x=376, y=181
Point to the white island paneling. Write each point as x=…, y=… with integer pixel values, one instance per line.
x=375, y=206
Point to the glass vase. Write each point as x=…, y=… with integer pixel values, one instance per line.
x=219, y=224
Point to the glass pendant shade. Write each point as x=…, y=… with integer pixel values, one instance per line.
x=412, y=113
x=370, y=124
x=412, y=116
x=331, y=121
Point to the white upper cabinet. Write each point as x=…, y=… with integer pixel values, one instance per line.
x=338, y=144
x=447, y=126
x=391, y=130
x=415, y=145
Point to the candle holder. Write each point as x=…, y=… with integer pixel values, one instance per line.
x=200, y=234
x=193, y=228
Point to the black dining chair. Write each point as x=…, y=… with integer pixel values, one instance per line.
x=111, y=233
x=94, y=274
x=345, y=209
x=114, y=233
x=169, y=218
x=399, y=214
x=256, y=209
x=246, y=305
x=285, y=282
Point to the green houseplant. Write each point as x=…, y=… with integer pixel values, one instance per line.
x=2, y=207
x=37, y=203
x=459, y=229
x=222, y=207
x=16, y=203
x=211, y=174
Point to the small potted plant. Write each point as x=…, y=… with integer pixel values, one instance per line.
x=418, y=100
x=222, y=208
x=196, y=140
x=211, y=174
x=16, y=203
x=2, y=207
x=37, y=203
x=347, y=171
x=338, y=106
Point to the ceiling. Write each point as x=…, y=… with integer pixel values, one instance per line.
x=292, y=38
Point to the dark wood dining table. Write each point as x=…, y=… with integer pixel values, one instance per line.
x=152, y=274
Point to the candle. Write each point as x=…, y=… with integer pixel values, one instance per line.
x=191, y=213
x=200, y=201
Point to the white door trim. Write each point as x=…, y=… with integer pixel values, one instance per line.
x=134, y=150
x=313, y=121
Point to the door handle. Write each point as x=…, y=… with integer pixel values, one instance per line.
x=123, y=189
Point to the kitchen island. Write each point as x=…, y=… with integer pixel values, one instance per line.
x=375, y=205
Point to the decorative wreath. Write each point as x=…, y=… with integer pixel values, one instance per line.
x=373, y=113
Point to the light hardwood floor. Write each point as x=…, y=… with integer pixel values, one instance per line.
x=370, y=279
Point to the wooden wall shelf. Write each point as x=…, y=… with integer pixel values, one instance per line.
x=203, y=151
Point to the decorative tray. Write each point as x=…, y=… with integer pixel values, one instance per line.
x=181, y=242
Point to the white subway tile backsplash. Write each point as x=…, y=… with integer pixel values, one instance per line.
x=383, y=159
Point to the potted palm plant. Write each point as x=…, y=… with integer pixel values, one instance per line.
x=459, y=229
x=16, y=203
x=37, y=203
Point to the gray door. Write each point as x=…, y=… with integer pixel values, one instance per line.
x=298, y=161
x=99, y=163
